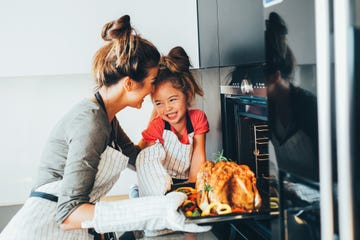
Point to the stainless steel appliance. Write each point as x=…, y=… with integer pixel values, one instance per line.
x=312, y=128
x=244, y=117
x=293, y=124
x=324, y=160
x=245, y=137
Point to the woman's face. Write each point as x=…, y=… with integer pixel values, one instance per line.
x=141, y=91
x=170, y=103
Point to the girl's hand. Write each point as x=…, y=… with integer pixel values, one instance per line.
x=142, y=144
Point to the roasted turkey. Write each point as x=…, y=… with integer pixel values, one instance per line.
x=227, y=183
x=202, y=184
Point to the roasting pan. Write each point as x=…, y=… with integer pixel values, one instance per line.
x=263, y=213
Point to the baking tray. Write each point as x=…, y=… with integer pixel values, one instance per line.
x=261, y=214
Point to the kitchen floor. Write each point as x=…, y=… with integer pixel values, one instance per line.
x=6, y=213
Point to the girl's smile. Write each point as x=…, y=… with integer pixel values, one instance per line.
x=171, y=116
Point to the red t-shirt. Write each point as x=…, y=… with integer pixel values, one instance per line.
x=156, y=127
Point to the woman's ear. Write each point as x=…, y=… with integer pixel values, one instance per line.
x=273, y=77
x=278, y=75
x=128, y=83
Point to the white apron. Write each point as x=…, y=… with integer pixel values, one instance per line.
x=296, y=155
x=36, y=219
x=178, y=155
x=158, y=164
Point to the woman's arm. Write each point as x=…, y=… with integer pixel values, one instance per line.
x=85, y=212
x=125, y=143
x=86, y=137
x=198, y=156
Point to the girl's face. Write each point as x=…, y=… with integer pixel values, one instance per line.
x=170, y=103
x=141, y=91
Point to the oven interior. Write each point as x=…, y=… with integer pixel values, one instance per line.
x=246, y=137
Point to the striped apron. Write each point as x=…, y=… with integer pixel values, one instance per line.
x=36, y=219
x=158, y=166
x=178, y=155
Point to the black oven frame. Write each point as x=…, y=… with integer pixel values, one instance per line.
x=240, y=115
x=235, y=108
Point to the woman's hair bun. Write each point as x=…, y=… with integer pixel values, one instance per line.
x=116, y=29
x=177, y=60
x=276, y=24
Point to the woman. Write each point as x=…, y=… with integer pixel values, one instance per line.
x=88, y=149
x=292, y=109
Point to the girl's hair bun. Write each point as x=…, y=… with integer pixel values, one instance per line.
x=177, y=60
x=116, y=29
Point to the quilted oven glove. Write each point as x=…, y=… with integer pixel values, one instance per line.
x=153, y=179
x=145, y=213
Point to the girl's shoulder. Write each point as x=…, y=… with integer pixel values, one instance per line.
x=199, y=121
x=196, y=114
x=157, y=122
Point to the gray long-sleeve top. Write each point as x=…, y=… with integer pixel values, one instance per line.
x=72, y=153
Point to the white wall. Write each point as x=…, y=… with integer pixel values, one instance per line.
x=42, y=37
x=30, y=108
x=46, y=48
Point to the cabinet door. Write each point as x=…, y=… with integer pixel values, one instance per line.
x=241, y=32
x=208, y=33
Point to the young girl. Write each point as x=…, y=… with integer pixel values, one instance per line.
x=180, y=130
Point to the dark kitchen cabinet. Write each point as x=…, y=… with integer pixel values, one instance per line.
x=241, y=32
x=208, y=33
x=231, y=32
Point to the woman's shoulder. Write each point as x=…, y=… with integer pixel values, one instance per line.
x=88, y=109
x=85, y=114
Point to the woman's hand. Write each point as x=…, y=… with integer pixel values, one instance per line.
x=150, y=213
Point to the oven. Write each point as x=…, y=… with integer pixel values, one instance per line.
x=244, y=118
x=245, y=132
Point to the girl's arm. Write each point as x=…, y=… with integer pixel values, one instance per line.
x=198, y=156
x=142, y=144
x=152, y=133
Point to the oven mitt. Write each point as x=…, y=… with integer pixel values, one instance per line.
x=153, y=179
x=146, y=213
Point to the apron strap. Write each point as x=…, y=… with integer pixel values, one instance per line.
x=189, y=125
x=113, y=139
x=47, y=196
x=100, y=101
x=53, y=198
